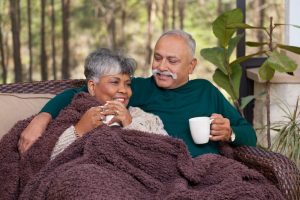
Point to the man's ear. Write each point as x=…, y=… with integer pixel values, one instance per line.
x=192, y=65
x=91, y=87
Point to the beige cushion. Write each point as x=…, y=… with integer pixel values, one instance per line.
x=16, y=106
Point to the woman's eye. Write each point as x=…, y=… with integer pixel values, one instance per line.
x=115, y=82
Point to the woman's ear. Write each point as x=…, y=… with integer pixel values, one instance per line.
x=91, y=87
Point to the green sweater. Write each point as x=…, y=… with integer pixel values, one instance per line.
x=196, y=98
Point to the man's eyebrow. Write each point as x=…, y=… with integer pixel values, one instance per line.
x=172, y=57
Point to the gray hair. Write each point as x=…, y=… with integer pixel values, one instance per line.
x=105, y=62
x=186, y=36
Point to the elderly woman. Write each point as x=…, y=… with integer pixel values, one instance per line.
x=108, y=77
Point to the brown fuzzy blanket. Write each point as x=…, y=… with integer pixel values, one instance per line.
x=113, y=163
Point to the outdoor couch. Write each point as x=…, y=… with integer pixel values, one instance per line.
x=21, y=100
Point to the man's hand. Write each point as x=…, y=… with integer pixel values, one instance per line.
x=33, y=131
x=220, y=128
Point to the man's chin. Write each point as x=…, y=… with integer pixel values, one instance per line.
x=163, y=83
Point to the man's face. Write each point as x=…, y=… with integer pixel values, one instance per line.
x=172, y=54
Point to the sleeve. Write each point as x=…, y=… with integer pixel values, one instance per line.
x=60, y=101
x=146, y=122
x=67, y=138
x=244, y=132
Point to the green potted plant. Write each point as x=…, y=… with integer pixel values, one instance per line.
x=228, y=72
x=287, y=139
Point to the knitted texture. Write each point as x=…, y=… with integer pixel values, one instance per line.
x=113, y=163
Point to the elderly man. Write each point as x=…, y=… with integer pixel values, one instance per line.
x=172, y=96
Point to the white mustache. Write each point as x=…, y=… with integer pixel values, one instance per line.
x=166, y=73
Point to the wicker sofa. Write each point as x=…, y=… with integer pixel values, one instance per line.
x=277, y=168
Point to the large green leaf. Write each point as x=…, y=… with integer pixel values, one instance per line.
x=266, y=72
x=216, y=56
x=241, y=25
x=296, y=26
x=281, y=62
x=222, y=80
x=244, y=58
x=220, y=24
x=256, y=44
x=246, y=100
x=293, y=49
x=233, y=43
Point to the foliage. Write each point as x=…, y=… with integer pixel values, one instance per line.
x=227, y=74
x=287, y=139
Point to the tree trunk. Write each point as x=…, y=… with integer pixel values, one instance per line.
x=15, y=29
x=65, y=32
x=261, y=11
x=111, y=26
x=165, y=13
x=43, y=55
x=4, y=70
x=181, y=11
x=29, y=39
x=150, y=20
x=53, y=40
x=123, y=23
x=219, y=7
x=173, y=13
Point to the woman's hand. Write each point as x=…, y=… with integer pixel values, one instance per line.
x=90, y=120
x=33, y=131
x=120, y=112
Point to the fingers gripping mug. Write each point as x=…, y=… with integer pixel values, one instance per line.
x=200, y=129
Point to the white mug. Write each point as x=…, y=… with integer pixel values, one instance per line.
x=108, y=118
x=200, y=129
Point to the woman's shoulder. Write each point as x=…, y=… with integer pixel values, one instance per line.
x=137, y=112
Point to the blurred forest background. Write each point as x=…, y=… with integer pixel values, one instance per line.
x=49, y=39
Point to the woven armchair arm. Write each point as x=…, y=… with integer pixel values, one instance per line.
x=276, y=167
x=40, y=87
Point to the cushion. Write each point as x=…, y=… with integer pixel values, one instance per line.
x=17, y=106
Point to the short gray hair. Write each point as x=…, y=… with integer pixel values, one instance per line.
x=105, y=62
x=186, y=36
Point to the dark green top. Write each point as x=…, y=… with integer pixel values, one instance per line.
x=196, y=98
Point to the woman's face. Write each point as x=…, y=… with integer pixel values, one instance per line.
x=111, y=87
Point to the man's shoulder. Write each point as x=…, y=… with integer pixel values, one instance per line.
x=202, y=83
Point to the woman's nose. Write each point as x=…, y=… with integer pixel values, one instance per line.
x=122, y=88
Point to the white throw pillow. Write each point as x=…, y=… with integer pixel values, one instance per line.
x=17, y=106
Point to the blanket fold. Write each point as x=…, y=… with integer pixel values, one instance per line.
x=114, y=163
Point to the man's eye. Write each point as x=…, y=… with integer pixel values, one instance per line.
x=157, y=58
x=173, y=61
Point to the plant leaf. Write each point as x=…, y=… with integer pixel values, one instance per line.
x=242, y=26
x=281, y=62
x=223, y=81
x=233, y=43
x=220, y=24
x=246, y=100
x=256, y=44
x=266, y=72
x=293, y=49
x=244, y=58
x=216, y=56
x=296, y=26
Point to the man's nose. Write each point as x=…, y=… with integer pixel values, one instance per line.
x=162, y=65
